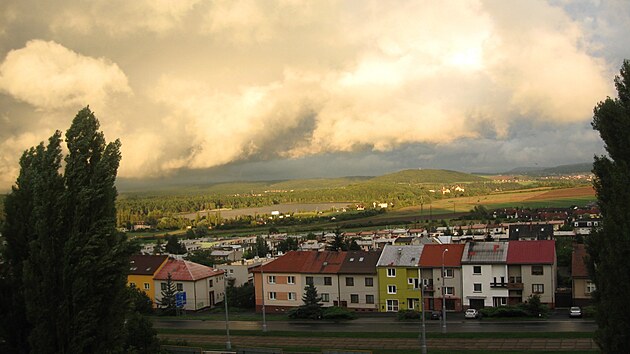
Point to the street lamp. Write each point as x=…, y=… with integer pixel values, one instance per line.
x=228, y=344
x=262, y=275
x=423, y=333
x=443, y=295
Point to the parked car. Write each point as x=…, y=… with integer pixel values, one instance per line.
x=471, y=313
x=436, y=315
x=575, y=312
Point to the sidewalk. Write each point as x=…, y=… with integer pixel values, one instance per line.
x=569, y=345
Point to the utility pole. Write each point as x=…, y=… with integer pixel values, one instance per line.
x=423, y=330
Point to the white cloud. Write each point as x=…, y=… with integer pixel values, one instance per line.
x=121, y=17
x=48, y=76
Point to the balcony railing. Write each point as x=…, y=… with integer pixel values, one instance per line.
x=428, y=288
x=515, y=286
x=498, y=285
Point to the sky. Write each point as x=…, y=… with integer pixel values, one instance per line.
x=210, y=91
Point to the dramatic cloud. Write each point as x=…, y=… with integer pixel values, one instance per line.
x=47, y=75
x=235, y=83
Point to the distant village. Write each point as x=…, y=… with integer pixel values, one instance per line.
x=473, y=265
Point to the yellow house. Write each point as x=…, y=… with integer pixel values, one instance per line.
x=142, y=269
x=398, y=278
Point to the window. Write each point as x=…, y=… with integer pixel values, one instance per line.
x=292, y=296
x=354, y=298
x=290, y=279
x=272, y=295
x=391, y=289
x=349, y=281
x=325, y=297
x=477, y=287
x=409, y=281
x=477, y=270
x=590, y=287
x=147, y=286
x=132, y=285
x=369, y=281
x=499, y=301
x=449, y=290
x=538, y=288
x=271, y=279
x=448, y=273
x=180, y=287
x=392, y=305
x=369, y=299
x=163, y=286
x=309, y=280
x=327, y=280
x=537, y=270
x=231, y=271
x=210, y=282
x=391, y=272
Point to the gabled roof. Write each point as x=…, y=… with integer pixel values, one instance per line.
x=532, y=252
x=360, y=262
x=485, y=252
x=432, y=255
x=185, y=271
x=140, y=264
x=400, y=256
x=309, y=262
x=578, y=264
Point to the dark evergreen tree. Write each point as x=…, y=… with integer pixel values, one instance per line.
x=167, y=302
x=338, y=243
x=173, y=246
x=312, y=307
x=65, y=260
x=352, y=245
x=159, y=247
x=261, y=249
x=290, y=244
x=139, y=301
x=608, y=247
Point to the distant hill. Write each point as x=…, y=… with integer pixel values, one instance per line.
x=426, y=176
x=575, y=168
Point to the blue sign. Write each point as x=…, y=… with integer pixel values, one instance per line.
x=180, y=299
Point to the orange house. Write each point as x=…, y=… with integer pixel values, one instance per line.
x=142, y=269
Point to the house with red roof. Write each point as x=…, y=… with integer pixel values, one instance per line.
x=202, y=286
x=431, y=276
x=342, y=279
x=583, y=286
x=142, y=269
x=484, y=274
x=532, y=269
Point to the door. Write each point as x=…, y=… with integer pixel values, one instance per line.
x=477, y=304
x=211, y=298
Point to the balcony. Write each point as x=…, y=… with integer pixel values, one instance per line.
x=498, y=285
x=515, y=286
x=428, y=288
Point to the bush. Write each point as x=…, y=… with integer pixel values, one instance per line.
x=312, y=312
x=503, y=311
x=338, y=313
x=412, y=315
x=589, y=311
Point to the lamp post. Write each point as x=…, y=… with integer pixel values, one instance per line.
x=443, y=295
x=228, y=344
x=423, y=333
x=262, y=275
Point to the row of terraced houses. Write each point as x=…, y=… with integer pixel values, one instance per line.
x=476, y=275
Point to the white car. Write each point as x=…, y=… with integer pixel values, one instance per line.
x=471, y=313
x=575, y=312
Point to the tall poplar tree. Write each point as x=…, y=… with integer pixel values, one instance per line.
x=609, y=247
x=66, y=263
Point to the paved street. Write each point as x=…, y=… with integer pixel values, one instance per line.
x=558, y=323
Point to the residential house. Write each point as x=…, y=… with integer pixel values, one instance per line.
x=202, y=286
x=241, y=270
x=484, y=274
x=533, y=231
x=585, y=226
x=358, y=285
x=280, y=283
x=399, y=278
x=431, y=261
x=142, y=268
x=532, y=269
x=227, y=253
x=583, y=286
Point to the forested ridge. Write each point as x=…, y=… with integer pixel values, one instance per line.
x=401, y=189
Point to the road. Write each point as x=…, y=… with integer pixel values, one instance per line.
x=372, y=324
